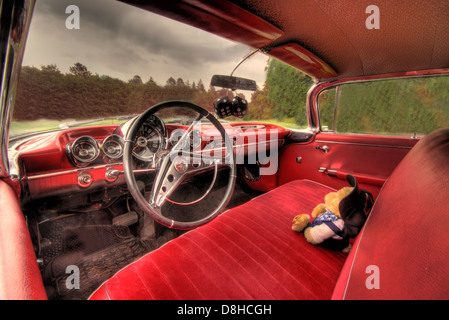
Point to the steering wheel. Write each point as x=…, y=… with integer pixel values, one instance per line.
x=174, y=165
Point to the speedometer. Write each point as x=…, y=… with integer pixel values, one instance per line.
x=148, y=141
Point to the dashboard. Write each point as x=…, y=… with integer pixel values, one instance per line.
x=77, y=160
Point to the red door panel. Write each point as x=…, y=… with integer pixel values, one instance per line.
x=328, y=158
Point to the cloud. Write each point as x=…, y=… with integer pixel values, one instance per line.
x=121, y=41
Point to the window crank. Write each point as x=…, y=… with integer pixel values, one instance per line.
x=324, y=148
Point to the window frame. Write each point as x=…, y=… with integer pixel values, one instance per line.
x=314, y=93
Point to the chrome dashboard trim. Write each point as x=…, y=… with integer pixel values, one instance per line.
x=59, y=173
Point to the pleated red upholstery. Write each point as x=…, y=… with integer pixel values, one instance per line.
x=249, y=252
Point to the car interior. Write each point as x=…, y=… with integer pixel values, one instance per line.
x=176, y=203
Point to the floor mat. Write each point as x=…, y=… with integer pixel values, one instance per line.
x=89, y=239
x=90, y=253
x=52, y=231
x=96, y=268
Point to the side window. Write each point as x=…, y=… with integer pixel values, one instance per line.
x=403, y=107
x=326, y=104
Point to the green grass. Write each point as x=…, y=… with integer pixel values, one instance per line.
x=287, y=123
x=41, y=125
x=21, y=127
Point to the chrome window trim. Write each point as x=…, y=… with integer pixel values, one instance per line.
x=13, y=39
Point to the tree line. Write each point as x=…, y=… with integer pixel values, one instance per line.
x=283, y=96
x=48, y=93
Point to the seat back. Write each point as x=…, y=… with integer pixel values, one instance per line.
x=20, y=278
x=403, y=249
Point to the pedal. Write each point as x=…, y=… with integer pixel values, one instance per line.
x=126, y=219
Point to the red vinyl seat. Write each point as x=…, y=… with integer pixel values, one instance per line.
x=249, y=252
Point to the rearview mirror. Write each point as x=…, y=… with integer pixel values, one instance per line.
x=233, y=83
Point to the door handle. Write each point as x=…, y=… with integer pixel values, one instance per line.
x=324, y=148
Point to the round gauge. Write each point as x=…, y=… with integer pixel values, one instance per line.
x=148, y=141
x=175, y=136
x=85, y=149
x=195, y=139
x=113, y=146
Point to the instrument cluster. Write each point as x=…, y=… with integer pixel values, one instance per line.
x=86, y=150
x=151, y=137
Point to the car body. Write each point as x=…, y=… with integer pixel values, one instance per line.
x=77, y=178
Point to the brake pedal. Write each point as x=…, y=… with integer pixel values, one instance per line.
x=126, y=219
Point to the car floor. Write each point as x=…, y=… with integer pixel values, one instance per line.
x=96, y=245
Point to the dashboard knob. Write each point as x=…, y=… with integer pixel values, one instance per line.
x=84, y=179
x=111, y=174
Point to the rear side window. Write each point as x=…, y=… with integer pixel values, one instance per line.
x=406, y=106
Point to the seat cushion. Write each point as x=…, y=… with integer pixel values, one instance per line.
x=248, y=252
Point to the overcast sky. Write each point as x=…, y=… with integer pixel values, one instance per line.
x=121, y=41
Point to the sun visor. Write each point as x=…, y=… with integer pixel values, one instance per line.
x=300, y=58
x=219, y=17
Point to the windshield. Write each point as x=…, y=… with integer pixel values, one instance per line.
x=101, y=62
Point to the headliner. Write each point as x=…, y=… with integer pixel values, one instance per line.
x=413, y=34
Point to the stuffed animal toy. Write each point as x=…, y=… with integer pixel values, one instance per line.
x=338, y=219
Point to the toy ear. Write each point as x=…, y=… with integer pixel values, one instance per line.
x=354, y=208
x=352, y=181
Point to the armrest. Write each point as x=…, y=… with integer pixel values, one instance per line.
x=375, y=180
